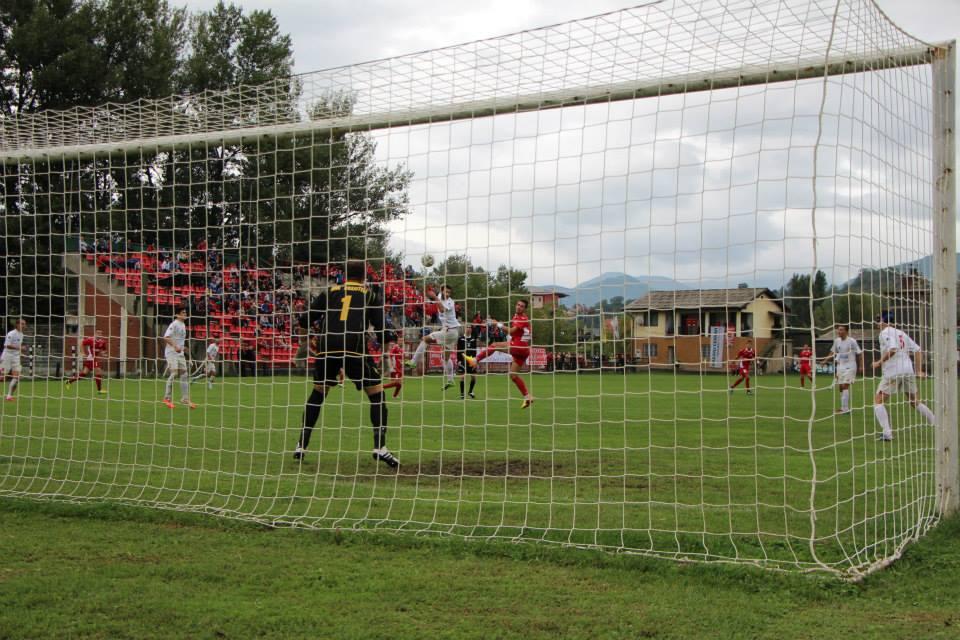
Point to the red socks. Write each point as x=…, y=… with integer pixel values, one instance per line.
x=517, y=380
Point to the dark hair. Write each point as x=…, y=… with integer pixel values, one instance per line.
x=356, y=270
x=844, y=325
x=526, y=304
x=886, y=316
x=179, y=311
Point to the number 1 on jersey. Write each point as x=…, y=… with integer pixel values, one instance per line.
x=345, y=308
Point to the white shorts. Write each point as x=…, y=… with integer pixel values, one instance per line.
x=846, y=375
x=176, y=362
x=446, y=337
x=906, y=383
x=10, y=362
x=211, y=367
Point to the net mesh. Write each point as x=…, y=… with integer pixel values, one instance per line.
x=666, y=186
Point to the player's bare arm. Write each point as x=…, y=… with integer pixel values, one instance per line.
x=918, y=364
x=886, y=356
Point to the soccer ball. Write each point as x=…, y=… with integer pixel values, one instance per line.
x=427, y=260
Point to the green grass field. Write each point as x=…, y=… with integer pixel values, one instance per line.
x=110, y=571
x=655, y=463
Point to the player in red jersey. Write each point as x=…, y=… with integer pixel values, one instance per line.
x=806, y=368
x=393, y=363
x=745, y=359
x=518, y=348
x=94, y=349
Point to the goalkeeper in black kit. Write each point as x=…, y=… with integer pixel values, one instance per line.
x=467, y=346
x=340, y=319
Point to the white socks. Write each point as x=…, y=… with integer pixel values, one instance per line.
x=13, y=385
x=168, y=389
x=418, y=354
x=926, y=413
x=880, y=412
x=845, y=400
x=185, y=387
x=883, y=418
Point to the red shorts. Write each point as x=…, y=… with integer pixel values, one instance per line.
x=396, y=375
x=90, y=365
x=804, y=369
x=520, y=353
x=743, y=372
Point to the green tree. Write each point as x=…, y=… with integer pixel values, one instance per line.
x=213, y=42
x=228, y=47
x=553, y=329
x=66, y=53
x=58, y=54
x=140, y=41
x=797, y=298
x=49, y=55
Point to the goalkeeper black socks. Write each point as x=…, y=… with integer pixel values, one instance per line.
x=378, y=418
x=310, y=415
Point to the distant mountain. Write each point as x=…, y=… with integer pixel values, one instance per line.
x=924, y=266
x=611, y=285
x=875, y=279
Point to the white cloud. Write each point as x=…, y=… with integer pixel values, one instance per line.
x=704, y=186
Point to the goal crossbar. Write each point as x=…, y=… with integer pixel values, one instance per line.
x=43, y=146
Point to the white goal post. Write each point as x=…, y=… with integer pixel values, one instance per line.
x=757, y=174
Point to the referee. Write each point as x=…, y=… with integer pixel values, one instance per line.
x=467, y=346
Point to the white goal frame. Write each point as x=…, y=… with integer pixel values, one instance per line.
x=34, y=137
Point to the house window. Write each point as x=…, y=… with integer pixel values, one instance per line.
x=746, y=324
x=648, y=319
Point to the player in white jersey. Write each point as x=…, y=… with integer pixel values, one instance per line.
x=845, y=352
x=175, y=338
x=896, y=349
x=446, y=336
x=213, y=353
x=10, y=358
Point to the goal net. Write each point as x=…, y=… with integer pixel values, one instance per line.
x=697, y=204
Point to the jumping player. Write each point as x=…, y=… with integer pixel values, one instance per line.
x=806, y=367
x=10, y=358
x=845, y=351
x=518, y=347
x=449, y=330
x=94, y=350
x=745, y=359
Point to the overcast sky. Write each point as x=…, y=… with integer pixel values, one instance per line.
x=332, y=33
x=565, y=243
